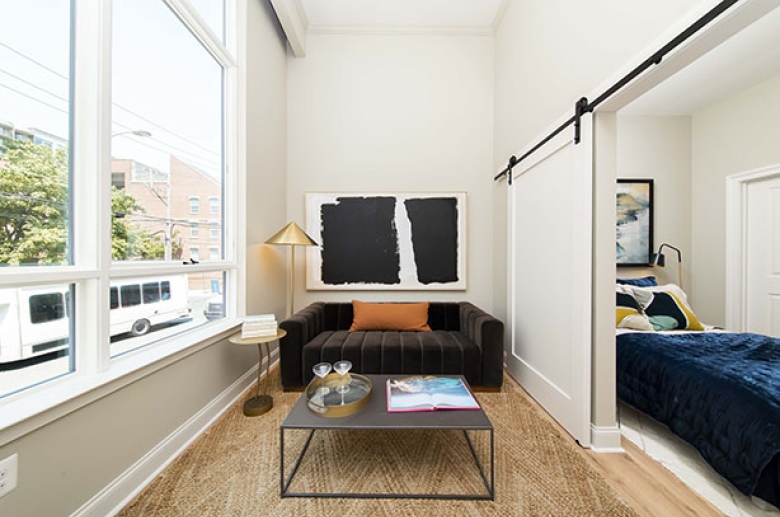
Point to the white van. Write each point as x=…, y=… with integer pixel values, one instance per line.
x=35, y=320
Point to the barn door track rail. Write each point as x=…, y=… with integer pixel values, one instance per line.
x=583, y=106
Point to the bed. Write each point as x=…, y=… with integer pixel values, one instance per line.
x=719, y=391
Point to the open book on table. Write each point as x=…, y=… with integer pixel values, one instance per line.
x=428, y=393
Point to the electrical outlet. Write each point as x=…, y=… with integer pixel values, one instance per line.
x=8, y=473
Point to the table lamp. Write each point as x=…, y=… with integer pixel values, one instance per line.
x=291, y=235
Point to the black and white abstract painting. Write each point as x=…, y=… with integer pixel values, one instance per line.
x=381, y=241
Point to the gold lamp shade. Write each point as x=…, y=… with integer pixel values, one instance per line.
x=293, y=235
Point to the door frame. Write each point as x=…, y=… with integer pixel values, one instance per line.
x=736, y=242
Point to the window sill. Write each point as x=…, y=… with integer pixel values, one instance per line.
x=35, y=408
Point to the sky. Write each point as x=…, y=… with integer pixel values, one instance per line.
x=163, y=81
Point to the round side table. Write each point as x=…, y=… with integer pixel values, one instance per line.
x=261, y=402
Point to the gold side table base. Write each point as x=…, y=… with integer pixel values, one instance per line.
x=256, y=406
x=261, y=403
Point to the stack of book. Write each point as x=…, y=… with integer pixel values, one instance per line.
x=261, y=325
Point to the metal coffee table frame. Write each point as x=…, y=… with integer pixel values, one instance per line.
x=376, y=417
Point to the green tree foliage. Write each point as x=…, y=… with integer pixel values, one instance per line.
x=34, y=210
x=33, y=204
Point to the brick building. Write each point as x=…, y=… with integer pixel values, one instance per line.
x=183, y=207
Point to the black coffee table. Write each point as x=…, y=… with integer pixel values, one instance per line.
x=375, y=417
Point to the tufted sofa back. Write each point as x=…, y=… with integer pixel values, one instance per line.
x=441, y=316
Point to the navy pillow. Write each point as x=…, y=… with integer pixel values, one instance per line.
x=647, y=281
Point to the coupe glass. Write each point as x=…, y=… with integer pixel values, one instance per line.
x=342, y=367
x=321, y=370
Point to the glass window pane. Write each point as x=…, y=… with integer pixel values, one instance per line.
x=185, y=302
x=167, y=131
x=46, y=307
x=131, y=295
x=114, y=296
x=151, y=292
x=34, y=133
x=35, y=335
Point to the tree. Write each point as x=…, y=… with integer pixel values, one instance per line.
x=33, y=204
x=34, y=210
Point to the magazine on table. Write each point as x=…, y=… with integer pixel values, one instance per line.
x=428, y=393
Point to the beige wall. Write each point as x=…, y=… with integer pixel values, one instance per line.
x=659, y=148
x=737, y=135
x=395, y=113
x=547, y=55
x=64, y=464
x=266, y=151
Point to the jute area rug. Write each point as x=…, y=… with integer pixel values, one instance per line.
x=233, y=469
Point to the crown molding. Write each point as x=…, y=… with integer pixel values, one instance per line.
x=367, y=30
x=295, y=24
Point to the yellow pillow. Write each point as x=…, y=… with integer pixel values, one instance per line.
x=390, y=316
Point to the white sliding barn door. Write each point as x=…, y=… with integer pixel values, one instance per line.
x=550, y=228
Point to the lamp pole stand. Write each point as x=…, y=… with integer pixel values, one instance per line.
x=292, y=280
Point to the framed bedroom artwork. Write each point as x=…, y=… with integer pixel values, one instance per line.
x=386, y=241
x=634, y=222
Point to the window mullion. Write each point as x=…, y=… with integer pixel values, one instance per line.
x=91, y=189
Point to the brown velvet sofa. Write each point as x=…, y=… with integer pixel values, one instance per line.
x=465, y=340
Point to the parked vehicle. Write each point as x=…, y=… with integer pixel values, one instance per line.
x=215, y=307
x=35, y=320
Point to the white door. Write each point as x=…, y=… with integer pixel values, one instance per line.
x=762, y=257
x=550, y=228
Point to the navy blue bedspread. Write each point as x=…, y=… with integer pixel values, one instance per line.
x=718, y=391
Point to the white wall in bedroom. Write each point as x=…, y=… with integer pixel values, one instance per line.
x=395, y=112
x=736, y=135
x=659, y=148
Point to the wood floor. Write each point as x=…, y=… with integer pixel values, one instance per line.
x=650, y=489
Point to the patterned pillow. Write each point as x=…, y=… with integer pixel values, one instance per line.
x=667, y=307
x=629, y=312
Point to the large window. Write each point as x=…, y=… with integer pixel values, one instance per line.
x=35, y=193
x=83, y=303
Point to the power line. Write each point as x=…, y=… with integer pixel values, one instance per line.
x=28, y=58
x=33, y=98
x=141, y=117
x=193, y=156
x=28, y=83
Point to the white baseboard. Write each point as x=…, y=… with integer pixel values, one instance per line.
x=127, y=485
x=605, y=439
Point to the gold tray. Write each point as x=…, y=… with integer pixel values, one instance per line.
x=337, y=401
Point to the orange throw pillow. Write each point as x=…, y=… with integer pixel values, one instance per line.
x=390, y=316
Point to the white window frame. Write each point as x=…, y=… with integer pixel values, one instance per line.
x=213, y=209
x=194, y=229
x=194, y=202
x=214, y=230
x=96, y=374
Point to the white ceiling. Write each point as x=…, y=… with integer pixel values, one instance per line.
x=747, y=59
x=402, y=14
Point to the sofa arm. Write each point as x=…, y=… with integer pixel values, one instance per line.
x=488, y=334
x=301, y=328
